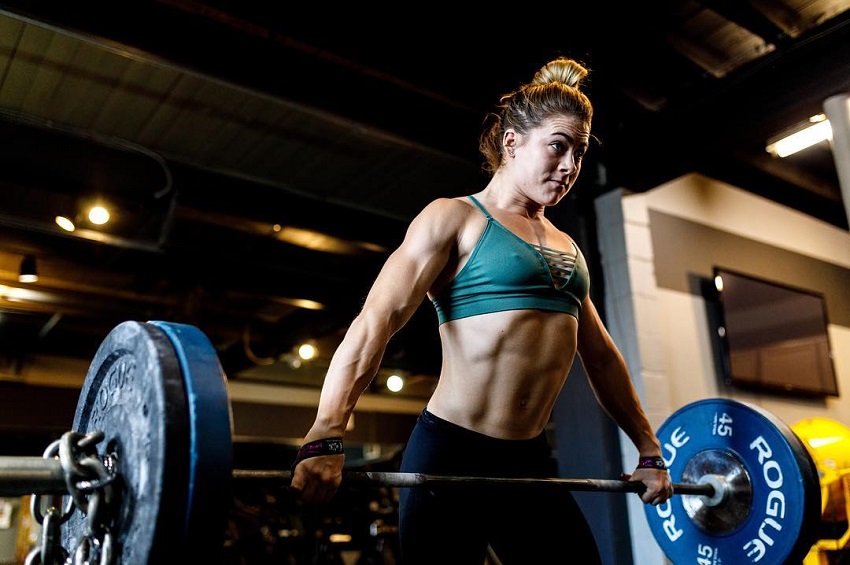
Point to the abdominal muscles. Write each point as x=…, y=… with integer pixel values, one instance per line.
x=502, y=372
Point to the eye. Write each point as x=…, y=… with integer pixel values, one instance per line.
x=558, y=146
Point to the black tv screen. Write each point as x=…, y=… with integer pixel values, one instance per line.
x=773, y=336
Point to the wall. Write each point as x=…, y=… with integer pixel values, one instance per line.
x=654, y=246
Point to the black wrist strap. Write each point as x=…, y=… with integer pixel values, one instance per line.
x=654, y=462
x=326, y=446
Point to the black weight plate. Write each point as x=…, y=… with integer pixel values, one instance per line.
x=771, y=513
x=134, y=394
x=210, y=435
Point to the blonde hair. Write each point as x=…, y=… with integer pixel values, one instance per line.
x=554, y=90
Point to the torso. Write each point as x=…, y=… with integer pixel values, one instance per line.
x=505, y=271
x=503, y=371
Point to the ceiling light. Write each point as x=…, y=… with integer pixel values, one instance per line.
x=319, y=241
x=301, y=303
x=28, y=272
x=307, y=351
x=818, y=130
x=65, y=223
x=98, y=215
x=395, y=383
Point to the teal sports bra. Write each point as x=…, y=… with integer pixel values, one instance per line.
x=505, y=272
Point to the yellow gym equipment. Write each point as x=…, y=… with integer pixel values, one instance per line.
x=828, y=442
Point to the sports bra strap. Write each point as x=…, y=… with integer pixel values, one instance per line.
x=480, y=207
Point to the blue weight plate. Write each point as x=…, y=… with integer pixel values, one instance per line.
x=770, y=511
x=210, y=435
x=134, y=394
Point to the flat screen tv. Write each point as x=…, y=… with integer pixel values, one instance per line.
x=773, y=337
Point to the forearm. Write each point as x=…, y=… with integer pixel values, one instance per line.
x=616, y=394
x=353, y=366
x=395, y=295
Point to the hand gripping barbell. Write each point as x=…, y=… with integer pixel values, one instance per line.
x=155, y=401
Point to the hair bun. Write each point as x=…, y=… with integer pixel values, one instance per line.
x=563, y=70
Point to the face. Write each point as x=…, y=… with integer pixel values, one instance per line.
x=547, y=160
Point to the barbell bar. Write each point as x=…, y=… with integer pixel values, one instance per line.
x=397, y=479
x=156, y=393
x=37, y=475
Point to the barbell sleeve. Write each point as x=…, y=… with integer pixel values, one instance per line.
x=31, y=475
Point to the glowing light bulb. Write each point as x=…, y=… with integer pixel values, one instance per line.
x=395, y=383
x=98, y=215
x=306, y=351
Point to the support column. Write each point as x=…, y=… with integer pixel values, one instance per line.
x=837, y=110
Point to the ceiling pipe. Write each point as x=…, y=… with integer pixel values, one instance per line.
x=49, y=228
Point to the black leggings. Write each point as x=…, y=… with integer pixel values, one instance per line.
x=454, y=524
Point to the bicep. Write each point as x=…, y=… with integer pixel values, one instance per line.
x=595, y=345
x=411, y=269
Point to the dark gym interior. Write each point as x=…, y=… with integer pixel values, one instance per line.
x=262, y=159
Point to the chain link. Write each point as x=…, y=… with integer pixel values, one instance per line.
x=89, y=478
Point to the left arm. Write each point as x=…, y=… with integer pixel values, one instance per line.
x=611, y=383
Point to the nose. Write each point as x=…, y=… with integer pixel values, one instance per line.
x=569, y=165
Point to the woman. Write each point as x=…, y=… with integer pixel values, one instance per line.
x=512, y=297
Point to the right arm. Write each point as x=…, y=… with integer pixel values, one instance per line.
x=399, y=289
x=611, y=383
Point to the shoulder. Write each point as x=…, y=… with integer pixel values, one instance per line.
x=444, y=214
x=449, y=206
x=442, y=225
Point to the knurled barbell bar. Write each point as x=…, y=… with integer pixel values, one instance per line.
x=155, y=397
x=39, y=475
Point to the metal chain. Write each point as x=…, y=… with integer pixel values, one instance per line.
x=89, y=478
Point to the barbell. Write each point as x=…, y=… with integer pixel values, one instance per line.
x=153, y=430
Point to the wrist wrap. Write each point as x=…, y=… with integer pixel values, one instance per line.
x=654, y=462
x=326, y=446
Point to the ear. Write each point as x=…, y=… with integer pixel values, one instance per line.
x=509, y=142
x=509, y=139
